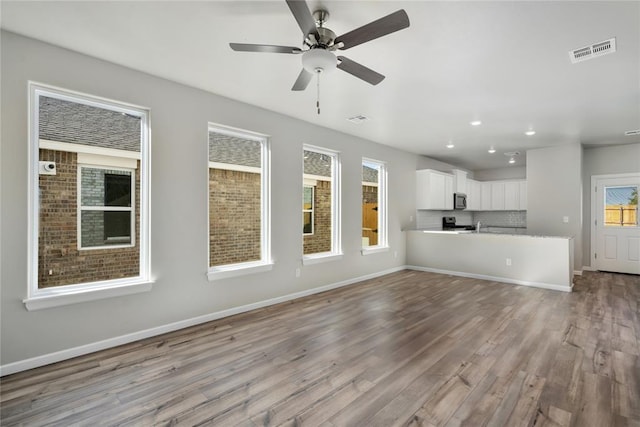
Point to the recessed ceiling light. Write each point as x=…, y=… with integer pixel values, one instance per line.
x=475, y=123
x=530, y=132
x=512, y=160
x=491, y=150
x=450, y=145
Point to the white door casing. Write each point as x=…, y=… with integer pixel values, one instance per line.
x=614, y=247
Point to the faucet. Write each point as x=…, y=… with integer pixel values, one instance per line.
x=478, y=227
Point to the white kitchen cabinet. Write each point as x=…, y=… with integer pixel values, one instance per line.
x=460, y=180
x=523, y=195
x=485, y=196
x=512, y=195
x=497, y=196
x=474, y=195
x=434, y=190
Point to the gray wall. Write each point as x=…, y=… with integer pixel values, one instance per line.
x=516, y=172
x=604, y=161
x=179, y=240
x=554, y=190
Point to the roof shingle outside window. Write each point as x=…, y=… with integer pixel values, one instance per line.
x=75, y=123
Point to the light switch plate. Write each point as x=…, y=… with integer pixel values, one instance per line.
x=565, y=219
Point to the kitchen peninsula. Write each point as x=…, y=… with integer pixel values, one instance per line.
x=539, y=261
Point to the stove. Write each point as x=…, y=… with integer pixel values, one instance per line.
x=449, y=223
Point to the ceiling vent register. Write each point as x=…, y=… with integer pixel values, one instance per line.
x=358, y=119
x=593, y=51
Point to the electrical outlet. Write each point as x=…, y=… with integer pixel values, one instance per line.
x=411, y=218
x=395, y=254
x=508, y=261
x=565, y=219
x=297, y=272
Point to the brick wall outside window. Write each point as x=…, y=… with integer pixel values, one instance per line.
x=234, y=215
x=320, y=240
x=59, y=260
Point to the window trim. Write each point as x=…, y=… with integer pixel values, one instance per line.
x=383, y=206
x=224, y=271
x=80, y=292
x=336, y=208
x=132, y=208
x=311, y=211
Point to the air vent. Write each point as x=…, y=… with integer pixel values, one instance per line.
x=593, y=51
x=358, y=119
x=632, y=132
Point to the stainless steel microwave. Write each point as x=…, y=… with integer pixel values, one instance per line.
x=459, y=201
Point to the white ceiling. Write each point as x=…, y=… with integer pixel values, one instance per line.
x=505, y=63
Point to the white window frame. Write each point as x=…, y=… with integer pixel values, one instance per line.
x=132, y=208
x=336, y=209
x=383, y=224
x=265, y=263
x=312, y=210
x=81, y=292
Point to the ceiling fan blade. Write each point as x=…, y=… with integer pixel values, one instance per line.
x=360, y=71
x=302, y=81
x=373, y=30
x=303, y=16
x=243, y=47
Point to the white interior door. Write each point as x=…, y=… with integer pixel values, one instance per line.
x=617, y=242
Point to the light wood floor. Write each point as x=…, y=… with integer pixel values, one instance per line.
x=410, y=349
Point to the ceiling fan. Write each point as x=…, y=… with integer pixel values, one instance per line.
x=320, y=42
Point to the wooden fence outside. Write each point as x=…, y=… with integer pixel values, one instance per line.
x=621, y=215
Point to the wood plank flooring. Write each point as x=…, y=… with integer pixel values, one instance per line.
x=407, y=349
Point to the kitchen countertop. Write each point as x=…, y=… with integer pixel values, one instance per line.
x=485, y=233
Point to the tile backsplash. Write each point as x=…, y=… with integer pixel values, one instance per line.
x=433, y=219
x=501, y=218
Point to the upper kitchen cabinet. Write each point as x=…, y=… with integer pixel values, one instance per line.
x=497, y=196
x=512, y=196
x=522, y=205
x=485, y=196
x=508, y=195
x=474, y=195
x=434, y=190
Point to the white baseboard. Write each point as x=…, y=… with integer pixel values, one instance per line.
x=495, y=279
x=46, y=359
x=577, y=272
x=588, y=268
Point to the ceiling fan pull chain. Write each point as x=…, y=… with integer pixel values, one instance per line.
x=318, y=92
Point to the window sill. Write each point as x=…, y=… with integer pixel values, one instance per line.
x=234, y=270
x=320, y=258
x=374, y=250
x=57, y=297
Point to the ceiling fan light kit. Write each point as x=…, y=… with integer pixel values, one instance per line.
x=320, y=43
x=318, y=61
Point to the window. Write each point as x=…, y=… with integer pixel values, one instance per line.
x=621, y=206
x=89, y=232
x=307, y=209
x=106, y=211
x=321, y=205
x=238, y=202
x=374, y=206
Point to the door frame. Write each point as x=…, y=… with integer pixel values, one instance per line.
x=594, y=210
